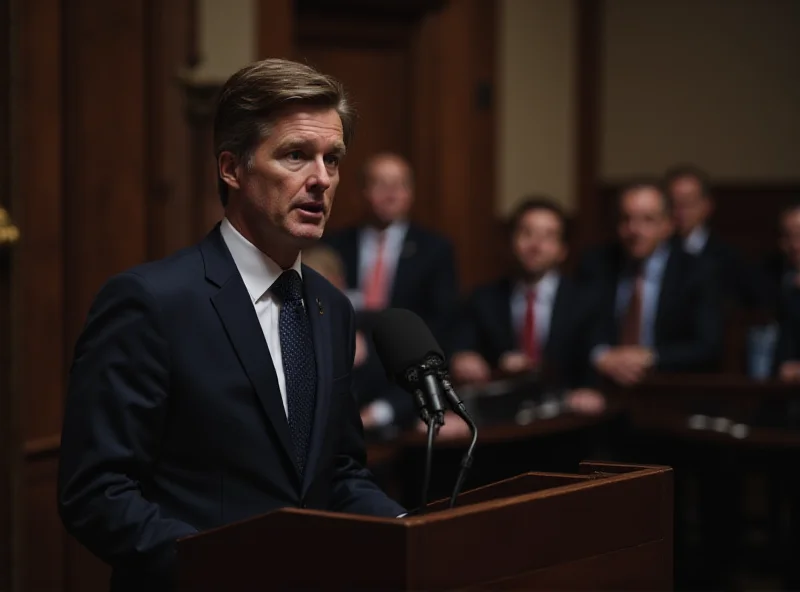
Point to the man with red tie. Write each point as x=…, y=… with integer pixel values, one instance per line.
x=392, y=262
x=537, y=318
x=658, y=307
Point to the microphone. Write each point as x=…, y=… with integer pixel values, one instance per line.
x=414, y=360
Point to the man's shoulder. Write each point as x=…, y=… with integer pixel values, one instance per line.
x=491, y=290
x=341, y=236
x=178, y=275
x=430, y=238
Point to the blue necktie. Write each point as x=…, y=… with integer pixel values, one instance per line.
x=299, y=364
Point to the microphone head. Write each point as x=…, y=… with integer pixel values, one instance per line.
x=403, y=341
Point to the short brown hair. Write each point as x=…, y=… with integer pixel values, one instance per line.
x=252, y=98
x=691, y=171
x=537, y=203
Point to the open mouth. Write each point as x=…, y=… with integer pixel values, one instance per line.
x=312, y=208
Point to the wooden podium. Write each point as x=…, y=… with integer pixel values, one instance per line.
x=607, y=528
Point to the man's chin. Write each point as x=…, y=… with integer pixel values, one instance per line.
x=307, y=233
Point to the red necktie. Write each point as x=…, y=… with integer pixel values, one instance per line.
x=530, y=345
x=375, y=287
x=632, y=319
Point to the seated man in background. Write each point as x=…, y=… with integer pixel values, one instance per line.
x=383, y=404
x=689, y=190
x=391, y=262
x=536, y=318
x=658, y=308
x=783, y=273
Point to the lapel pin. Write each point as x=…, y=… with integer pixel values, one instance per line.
x=319, y=306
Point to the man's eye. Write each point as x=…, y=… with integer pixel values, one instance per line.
x=294, y=155
x=332, y=160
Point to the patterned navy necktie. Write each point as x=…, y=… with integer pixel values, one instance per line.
x=299, y=364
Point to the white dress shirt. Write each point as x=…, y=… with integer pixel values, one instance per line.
x=546, y=290
x=696, y=241
x=258, y=273
x=368, y=240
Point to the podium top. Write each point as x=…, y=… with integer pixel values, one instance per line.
x=515, y=526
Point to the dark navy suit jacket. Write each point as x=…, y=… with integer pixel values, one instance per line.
x=174, y=421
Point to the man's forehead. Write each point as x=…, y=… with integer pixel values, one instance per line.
x=308, y=121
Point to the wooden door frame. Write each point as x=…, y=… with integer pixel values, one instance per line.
x=9, y=435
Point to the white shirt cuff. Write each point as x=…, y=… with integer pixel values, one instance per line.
x=597, y=352
x=382, y=412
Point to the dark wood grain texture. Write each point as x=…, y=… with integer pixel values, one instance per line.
x=9, y=439
x=520, y=530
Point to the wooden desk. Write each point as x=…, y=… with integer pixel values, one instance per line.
x=665, y=404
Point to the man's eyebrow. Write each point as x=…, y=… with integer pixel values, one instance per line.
x=338, y=149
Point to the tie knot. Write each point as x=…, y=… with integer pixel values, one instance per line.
x=288, y=287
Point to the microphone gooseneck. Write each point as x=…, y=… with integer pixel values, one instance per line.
x=415, y=362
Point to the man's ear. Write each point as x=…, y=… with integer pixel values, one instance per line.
x=228, y=168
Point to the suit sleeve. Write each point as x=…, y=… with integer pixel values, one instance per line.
x=114, y=416
x=443, y=295
x=353, y=487
x=704, y=349
x=465, y=329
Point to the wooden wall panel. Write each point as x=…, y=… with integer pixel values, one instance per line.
x=422, y=77
x=39, y=283
x=378, y=83
x=275, y=29
x=168, y=51
x=43, y=546
x=453, y=127
x=8, y=413
x=39, y=277
x=105, y=191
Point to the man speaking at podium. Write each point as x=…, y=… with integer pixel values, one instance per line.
x=214, y=385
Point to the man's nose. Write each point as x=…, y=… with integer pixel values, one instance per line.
x=319, y=178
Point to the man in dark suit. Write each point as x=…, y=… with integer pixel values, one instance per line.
x=537, y=318
x=782, y=272
x=214, y=385
x=391, y=262
x=689, y=190
x=658, y=308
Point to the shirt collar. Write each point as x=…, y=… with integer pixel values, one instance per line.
x=395, y=229
x=546, y=287
x=656, y=262
x=258, y=271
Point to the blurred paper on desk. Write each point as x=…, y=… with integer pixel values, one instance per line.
x=520, y=400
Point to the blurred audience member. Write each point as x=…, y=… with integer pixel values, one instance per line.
x=535, y=319
x=657, y=305
x=391, y=262
x=689, y=190
x=783, y=271
x=382, y=402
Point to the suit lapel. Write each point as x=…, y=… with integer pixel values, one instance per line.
x=670, y=283
x=505, y=326
x=558, y=318
x=235, y=309
x=405, y=267
x=349, y=253
x=319, y=319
